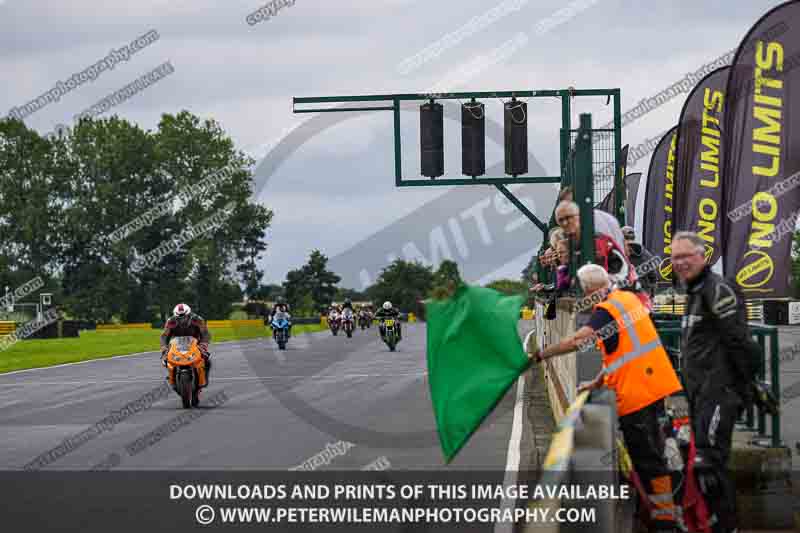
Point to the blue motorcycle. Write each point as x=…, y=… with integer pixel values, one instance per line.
x=280, y=331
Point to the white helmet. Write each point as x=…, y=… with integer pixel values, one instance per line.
x=387, y=305
x=181, y=310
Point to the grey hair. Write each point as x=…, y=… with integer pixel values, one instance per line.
x=567, y=204
x=692, y=237
x=593, y=277
x=556, y=234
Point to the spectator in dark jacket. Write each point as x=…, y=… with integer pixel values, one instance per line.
x=639, y=255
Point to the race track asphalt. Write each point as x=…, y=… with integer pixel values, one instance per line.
x=278, y=409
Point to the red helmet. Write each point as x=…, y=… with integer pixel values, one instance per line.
x=182, y=310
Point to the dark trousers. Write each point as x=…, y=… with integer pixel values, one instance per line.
x=645, y=442
x=713, y=416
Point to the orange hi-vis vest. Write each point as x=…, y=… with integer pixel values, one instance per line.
x=639, y=370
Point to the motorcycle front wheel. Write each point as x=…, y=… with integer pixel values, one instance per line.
x=185, y=388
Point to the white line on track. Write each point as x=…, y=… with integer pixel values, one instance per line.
x=513, y=455
x=242, y=341
x=234, y=378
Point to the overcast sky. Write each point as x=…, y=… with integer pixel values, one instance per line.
x=332, y=187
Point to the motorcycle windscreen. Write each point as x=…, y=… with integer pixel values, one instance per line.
x=182, y=344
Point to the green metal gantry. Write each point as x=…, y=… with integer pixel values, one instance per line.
x=578, y=172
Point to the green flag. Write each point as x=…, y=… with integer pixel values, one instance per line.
x=474, y=356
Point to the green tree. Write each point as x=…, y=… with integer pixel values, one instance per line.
x=267, y=293
x=510, y=287
x=403, y=283
x=313, y=278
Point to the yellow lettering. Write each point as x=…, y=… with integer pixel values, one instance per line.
x=768, y=100
x=760, y=231
x=762, y=226
x=715, y=100
x=773, y=151
x=762, y=81
x=708, y=214
x=771, y=130
x=773, y=57
x=764, y=198
x=712, y=154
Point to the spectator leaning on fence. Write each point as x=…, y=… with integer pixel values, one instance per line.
x=603, y=222
x=638, y=256
x=563, y=280
x=549, y=259
x=719, y=360
x=607, y=253
x=637, y=368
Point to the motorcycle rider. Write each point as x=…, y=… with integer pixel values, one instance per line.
x=389, y=311
x=333, y=314
x=184, y=323
x=281, y=307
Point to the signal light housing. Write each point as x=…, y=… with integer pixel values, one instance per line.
x=431, y=125
x=473, y=139
x=516, y=137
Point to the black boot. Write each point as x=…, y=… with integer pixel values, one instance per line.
x=207, y=361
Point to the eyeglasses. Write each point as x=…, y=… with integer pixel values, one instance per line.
x=684, y=257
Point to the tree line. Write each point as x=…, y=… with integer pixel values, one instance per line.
x=65, y=199
x=311, y=288
x=62, y=197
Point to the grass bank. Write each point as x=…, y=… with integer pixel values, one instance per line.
x=101, y=344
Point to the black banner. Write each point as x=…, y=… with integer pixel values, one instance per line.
x=607, y=204
x=698, y=187
x=631, y=192
x=762, y=149
x=658, y=202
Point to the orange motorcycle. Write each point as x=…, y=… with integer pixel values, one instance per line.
x=187, y=371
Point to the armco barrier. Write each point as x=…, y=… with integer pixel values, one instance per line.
x=755, y=309
x=578, y=454
x=118, y=327
x=560, y=372
x=218, y=324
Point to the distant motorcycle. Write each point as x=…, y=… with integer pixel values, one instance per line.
x=280, y=329
x=187, y=371
x=390, y=333
x=348, y=323
x=363, y=320
x=333, y=323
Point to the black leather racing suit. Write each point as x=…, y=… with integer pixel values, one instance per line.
x=718, y=355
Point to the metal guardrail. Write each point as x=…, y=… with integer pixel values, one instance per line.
x=669, y=330
x=117, y=327
x=755, y=310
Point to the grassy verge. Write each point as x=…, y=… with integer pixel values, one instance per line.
x=100, y=344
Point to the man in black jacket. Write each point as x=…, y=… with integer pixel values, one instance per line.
x=640, y=255
x=720, y=361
